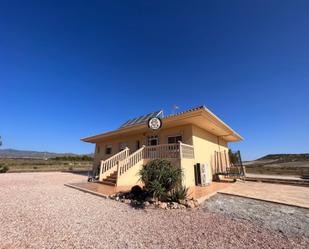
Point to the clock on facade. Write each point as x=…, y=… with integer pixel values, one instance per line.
x=154, y=123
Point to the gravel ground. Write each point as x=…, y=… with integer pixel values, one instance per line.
x=37, y=211
x=285, y=219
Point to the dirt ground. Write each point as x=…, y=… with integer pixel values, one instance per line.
x=41, y=165
x=38, y=211
x=289, y=221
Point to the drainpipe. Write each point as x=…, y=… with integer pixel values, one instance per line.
x=221, y=165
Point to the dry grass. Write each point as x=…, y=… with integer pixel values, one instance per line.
x=38, y=165
x=271, y=167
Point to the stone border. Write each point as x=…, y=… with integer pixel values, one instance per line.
x=259, y=199
x=206, y=197
x=188, y=203
x=86, y=190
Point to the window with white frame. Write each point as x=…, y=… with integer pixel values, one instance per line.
x=174, y=139
x=108, y=149
x=153, y=140
x=122, y=145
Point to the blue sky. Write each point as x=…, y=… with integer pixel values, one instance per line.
x=69, y=69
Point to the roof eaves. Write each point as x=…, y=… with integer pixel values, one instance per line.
x=184, y=112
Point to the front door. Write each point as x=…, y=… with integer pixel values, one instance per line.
x=153, y=141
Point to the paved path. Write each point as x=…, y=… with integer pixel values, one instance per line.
x=279, y=193
x=284, y=177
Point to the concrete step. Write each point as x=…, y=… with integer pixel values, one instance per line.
x=110, y=179
x=110, y=183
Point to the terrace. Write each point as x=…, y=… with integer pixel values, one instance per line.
x=114, y=167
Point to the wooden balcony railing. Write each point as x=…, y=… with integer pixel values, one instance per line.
x=186, y=151
x=179, y=150
x=122, y=161
x=162, y=151
x=130, y=161
x=112, y=161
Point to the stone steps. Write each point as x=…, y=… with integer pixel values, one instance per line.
x=111, y=180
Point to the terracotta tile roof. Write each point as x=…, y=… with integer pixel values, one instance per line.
x=143, y=119
x=189, y=110
x=133, y=123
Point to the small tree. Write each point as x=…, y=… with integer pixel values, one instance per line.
x=233, y=157
x=3, y=168
x=160, y=177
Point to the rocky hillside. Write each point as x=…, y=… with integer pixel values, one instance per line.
x=280, y=164
x=286, y=157
x=11, y=153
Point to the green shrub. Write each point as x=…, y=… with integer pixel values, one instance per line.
x=3, y=168
x=160, y=177
x=233, y=157
x=179, y=193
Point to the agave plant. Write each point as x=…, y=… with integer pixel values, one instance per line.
x=179, y=193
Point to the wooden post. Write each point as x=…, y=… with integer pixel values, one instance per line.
x=215, y=162
x=118, y=171
x=226, y=165
x=180, y=150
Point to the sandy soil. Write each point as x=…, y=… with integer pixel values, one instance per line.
x=38, y=211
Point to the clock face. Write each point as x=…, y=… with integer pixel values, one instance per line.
x=154, y=123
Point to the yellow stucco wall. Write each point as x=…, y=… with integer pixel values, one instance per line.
x=187, y=166
x=131, y=176
x=163, y=134
x=205, y=144
x=115, y=143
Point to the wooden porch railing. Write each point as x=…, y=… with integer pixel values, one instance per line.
x=112, y=161
x=186, y=151
x=162, y=151
x=122, y=161
x=129, y=162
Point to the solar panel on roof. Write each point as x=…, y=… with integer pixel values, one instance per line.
x=142, y=119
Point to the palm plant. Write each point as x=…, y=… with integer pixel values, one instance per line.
x=160, y=177
x=179, y=193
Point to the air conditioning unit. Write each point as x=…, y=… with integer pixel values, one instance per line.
x=201, y=174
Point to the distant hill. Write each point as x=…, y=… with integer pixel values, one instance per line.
x=11, y=153
x=280, y=164
x=281, y=158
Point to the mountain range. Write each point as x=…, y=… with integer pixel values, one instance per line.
x=11, y=153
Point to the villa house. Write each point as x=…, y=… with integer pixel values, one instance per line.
x=189, y=138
